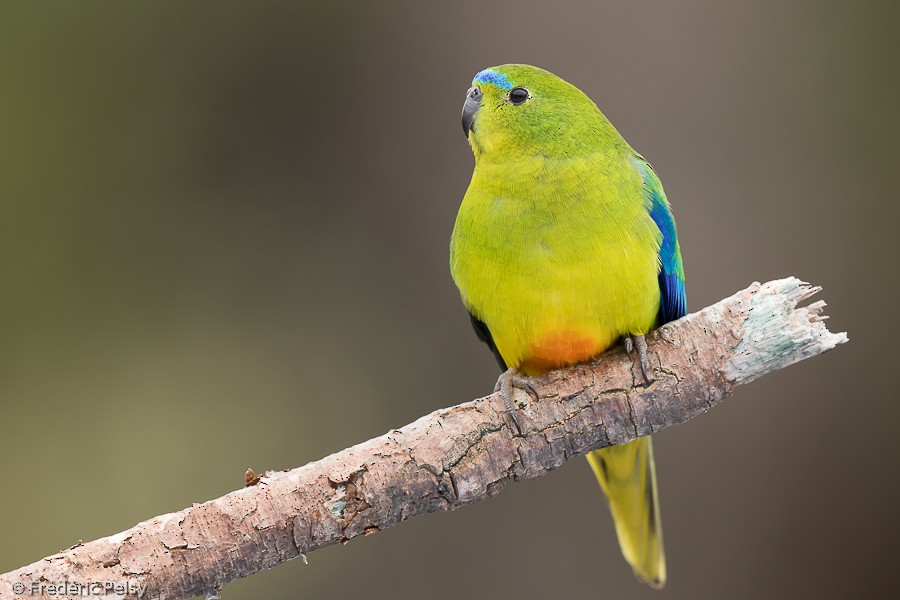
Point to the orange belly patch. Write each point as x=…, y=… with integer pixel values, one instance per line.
x=558, y=349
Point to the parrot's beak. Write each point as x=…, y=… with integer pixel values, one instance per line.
x=473, y=101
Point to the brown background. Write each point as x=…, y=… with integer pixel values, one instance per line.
x=224, y=243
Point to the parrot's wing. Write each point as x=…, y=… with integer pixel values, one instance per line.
x=673, y=304
x=484, y=334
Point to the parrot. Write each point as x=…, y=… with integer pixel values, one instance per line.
x=565, y=245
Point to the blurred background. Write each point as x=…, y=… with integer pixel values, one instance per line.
x=223, y=243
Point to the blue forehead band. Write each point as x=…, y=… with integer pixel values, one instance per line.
x=492, y=76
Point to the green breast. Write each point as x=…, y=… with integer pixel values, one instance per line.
x=558, y=258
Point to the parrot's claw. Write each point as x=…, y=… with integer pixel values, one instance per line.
x=638, y=341
x=505, y=385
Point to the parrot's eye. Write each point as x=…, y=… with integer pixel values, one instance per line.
x=518, y=95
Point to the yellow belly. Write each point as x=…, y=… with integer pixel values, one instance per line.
x=555, y=321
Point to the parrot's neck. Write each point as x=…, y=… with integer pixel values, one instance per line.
x=540, y=184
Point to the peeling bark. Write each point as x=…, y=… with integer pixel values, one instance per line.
x=450, y=458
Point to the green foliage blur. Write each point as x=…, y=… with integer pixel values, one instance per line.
x=223, y=243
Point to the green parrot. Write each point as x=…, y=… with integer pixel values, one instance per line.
x=564, y=245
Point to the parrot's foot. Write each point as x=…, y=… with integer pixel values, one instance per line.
x=638, y=341
x=505, y=385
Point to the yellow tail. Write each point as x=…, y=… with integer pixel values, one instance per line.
x=628, y=477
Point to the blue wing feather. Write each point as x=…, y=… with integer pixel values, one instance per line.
x=673, y=296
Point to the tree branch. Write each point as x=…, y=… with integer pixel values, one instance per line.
x=450, y=458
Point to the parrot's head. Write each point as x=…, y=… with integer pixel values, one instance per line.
x=518, y=111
